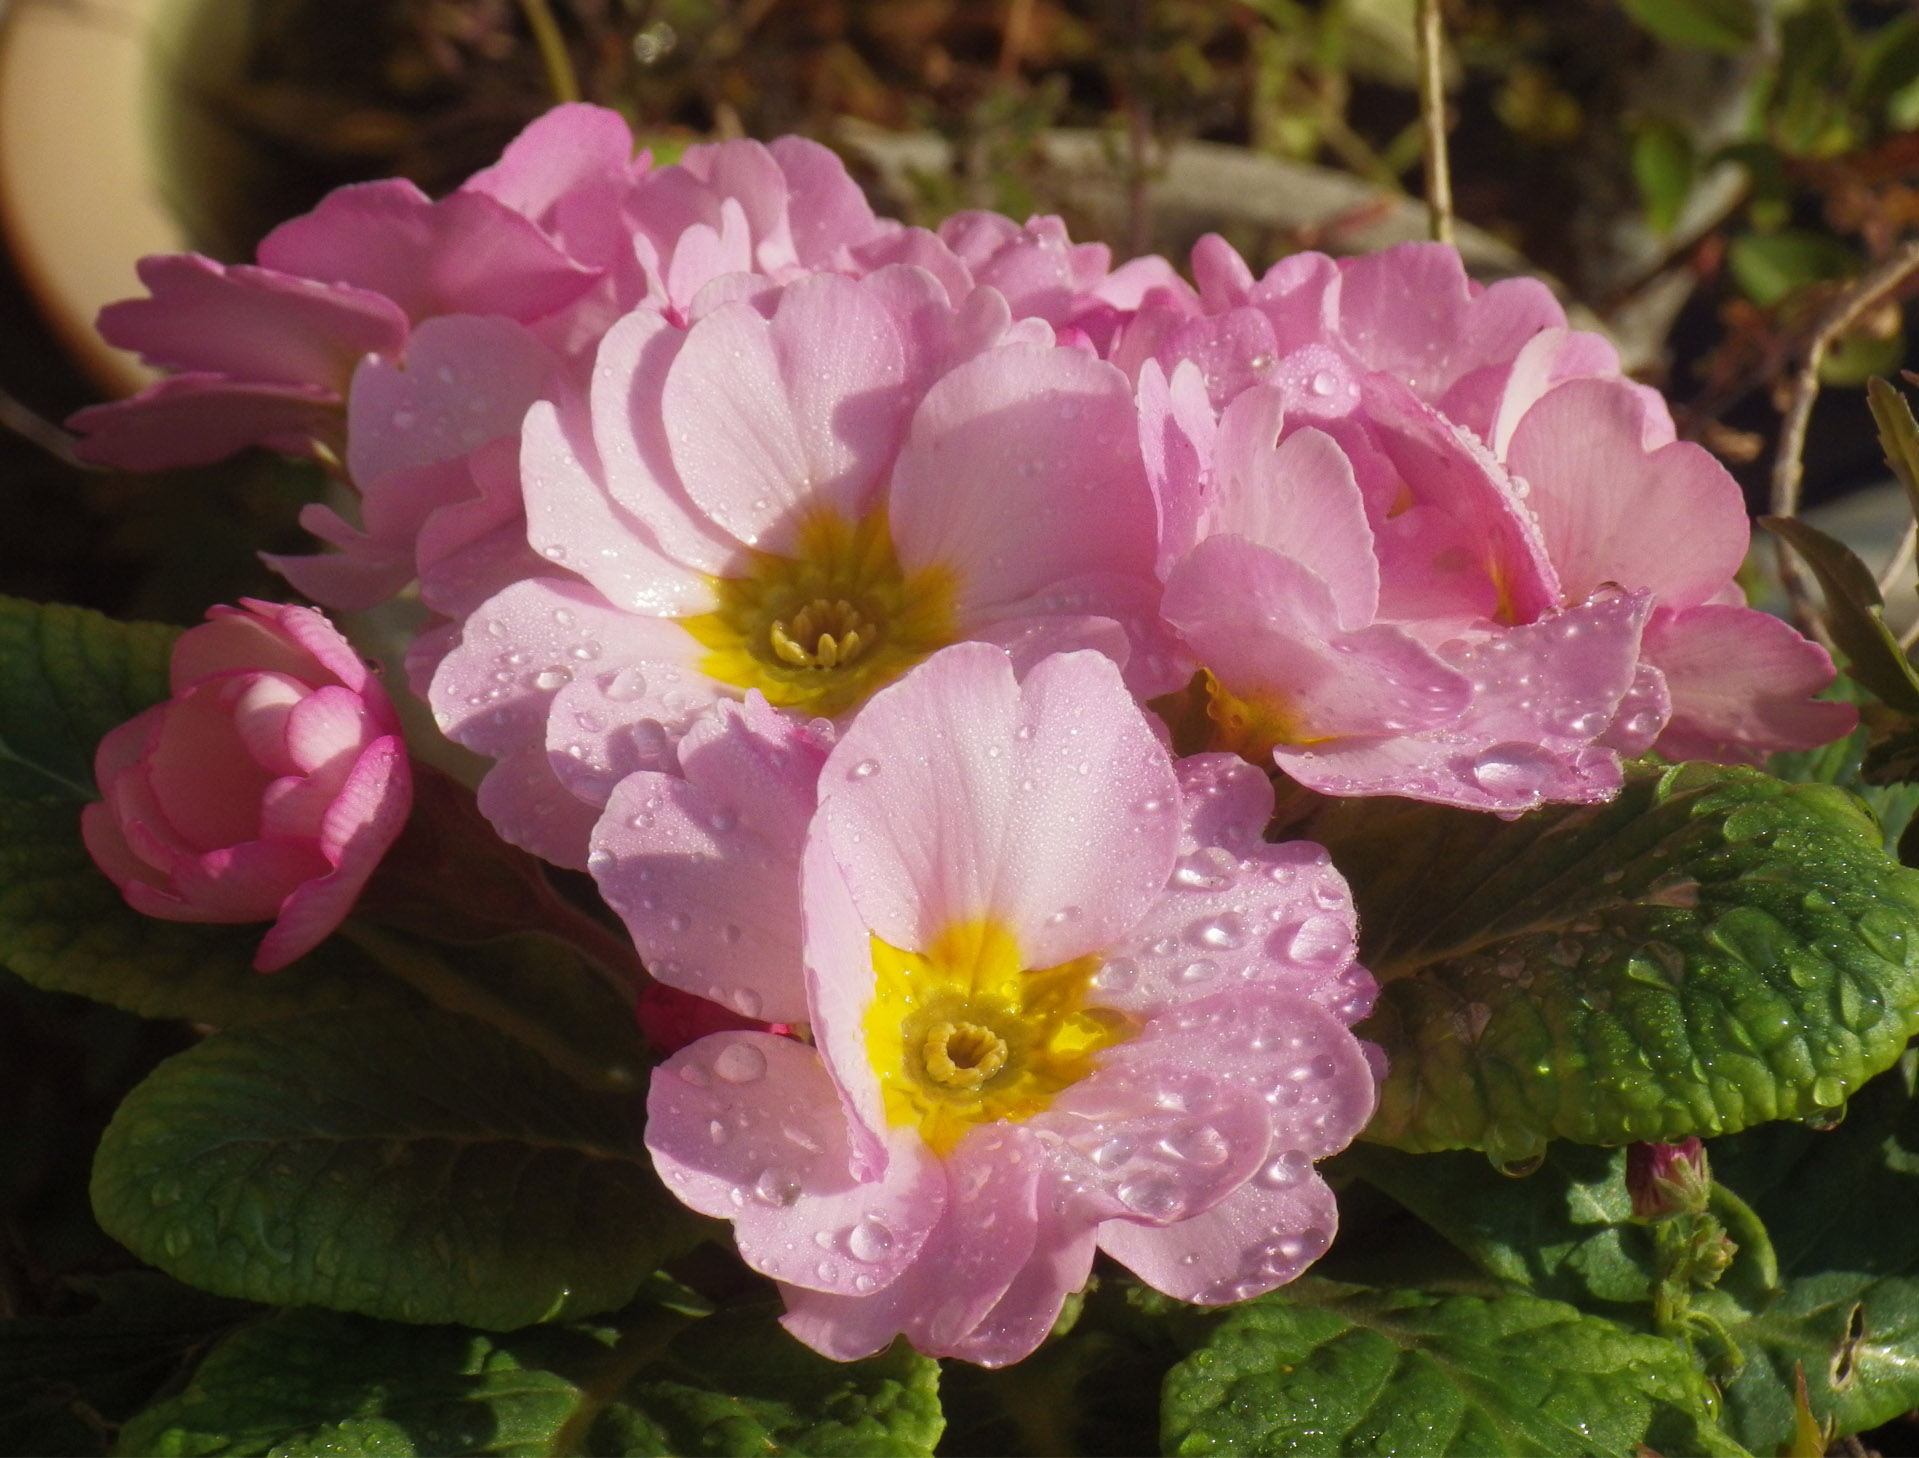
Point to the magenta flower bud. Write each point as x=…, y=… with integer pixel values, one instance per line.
x=266, y=789
x=1667, y=1179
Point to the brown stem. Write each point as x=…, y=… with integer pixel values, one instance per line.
x=1788, y=466
x=1432, y=118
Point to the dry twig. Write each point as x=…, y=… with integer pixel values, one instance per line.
x=1788, y=465
x=1432, y=120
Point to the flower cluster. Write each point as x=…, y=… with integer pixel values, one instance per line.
x=808, y=579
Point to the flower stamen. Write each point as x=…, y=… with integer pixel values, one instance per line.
x=963, y=1055
x=836, y=631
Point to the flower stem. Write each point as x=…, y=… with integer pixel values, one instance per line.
x=445, y=988
x=1432, y=119
x=546, y=34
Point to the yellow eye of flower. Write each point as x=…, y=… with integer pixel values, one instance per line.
x=821, y=630
x=1252, y=727
x=963, y=1034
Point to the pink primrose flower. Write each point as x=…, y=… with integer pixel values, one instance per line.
x=1062, y=996
x=804, y=492
x=1428, y=541
x=266, y=789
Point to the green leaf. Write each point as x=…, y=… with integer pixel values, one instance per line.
x=1664, y=165
x=67, y=676
x=1873, y=655
x=1827, y=1197
x=64, y=927
x=1563, y=1231
x=1809, y=107
x=1888, y=63
x=1713, y=25
x=1329, y=1369
x=648, y=1382
x=1855, y=1336
x=1898, y=431
x=1713, y=949
x=1769, y=266
x=418, y=1165
x=66, y=1380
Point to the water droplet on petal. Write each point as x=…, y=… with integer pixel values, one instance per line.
x=740, y=1063
x=866, y=769
x=600, y=862
x=1197, y=1144
x=1153, y=1196
x=1288, y=1169
x=1320, y=940
x=1117, y=976
x=548, y=680
x=1221, y=933
x=625, y=686
x=776, y=1187
x=1514, y=769
x=716, y=1131
x=869, y=1240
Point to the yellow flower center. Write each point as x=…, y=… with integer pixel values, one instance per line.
x=963, y=1034
x=822, y=629
x=1207, y=716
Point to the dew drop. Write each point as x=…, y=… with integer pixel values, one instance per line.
x=1513, y=769
x=866, y=769
x=1324, y=384
x=1320, y=940
x=716, y=1131
x=1221, y=933
x=547, y=680
x=869, y=1240
x=1115, y=1151
x=746, y=1002
x=1116, y=976
x=1197, y=1144
x=740, y=1063
x=625, y=686
x=1288, y=1169
x=1152, y=1195
x=776, y=1187
x=600, y=862
x=1200, y=971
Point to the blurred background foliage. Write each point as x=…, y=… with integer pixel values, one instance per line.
x=1700, y=177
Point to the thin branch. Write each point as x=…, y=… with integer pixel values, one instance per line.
x=546, y=35
x=1432, y=118
x=30, y=426
x=1788, y=466
x=1902, y=559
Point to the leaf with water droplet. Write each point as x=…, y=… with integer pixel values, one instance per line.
x=419, y=1143
x=1648, y=969
x=654, y=1379
x=1322, y=1367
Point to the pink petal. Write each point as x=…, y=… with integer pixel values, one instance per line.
x=1261, y=1236
x=1299, y=499
x=959, y=794
x=705, y=870
x=984, y=1240
x=1544, y=697
x=251, y=323
x=1742, y=686
x=1410, y=312
x=1024, y=1316
x=571, y=520
x=1267, y=628
x=771, y=421
x=197, y=419
x=261, y=710
x=206, y=784
x=247, y=881
x=107, y=844
x=630, y=436
x=630, y=709
x=825, y=208
x=363, y=822
x=466, y=254
x=1669, y=519
x=326, y=725
x=746, y=1127
x=1044, y=438
x=1176, y=431
x=465, y=381
x=565, y=148
x=840, y=983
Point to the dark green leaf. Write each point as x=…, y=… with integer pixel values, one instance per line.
x=1563, y=1231
x=1829, y=1199
x=1845, y=763
x=1888, y=63
x=1664, y=166
x=66, y=1380
x=67, y=676
x=1769, y=266
x=1898, y=431
x=410, y=1164
x=647, y=1382
x=1714, y=25
x=65, y=927
x=1322, y=1368
x=1713, y=949
x=1873, y=655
